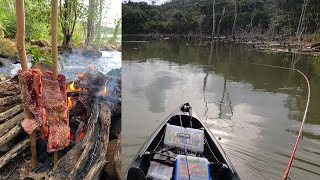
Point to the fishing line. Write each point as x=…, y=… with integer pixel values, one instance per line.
x=299, y=137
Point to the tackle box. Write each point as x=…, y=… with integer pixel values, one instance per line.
x=199, y=168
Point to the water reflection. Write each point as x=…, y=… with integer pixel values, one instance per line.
x=256, y=110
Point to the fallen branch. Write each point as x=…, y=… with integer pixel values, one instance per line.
x=95, y=171
x=14, y=132
x=5, y=127
x=9, y=93
x=113, y=167
x=10, y=100
x=10, y=113
x=21, y=146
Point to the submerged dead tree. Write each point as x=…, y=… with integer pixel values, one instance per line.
x=300, y=25
x=213, y=20
x=220, y=21
x=235, y=19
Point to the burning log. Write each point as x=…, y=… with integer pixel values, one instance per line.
x=21, y=146
x=11, y=112
x=105, y=119
x=87, y=159
x=10, y=100
x=89, y=142
x=5, y=127
x=14, y=132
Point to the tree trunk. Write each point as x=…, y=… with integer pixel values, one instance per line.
x=219, y=25
x=90, y=24
x=68, y=18
x=251, y=20
x=213, y=20
x=303, y=12
x=235, y=20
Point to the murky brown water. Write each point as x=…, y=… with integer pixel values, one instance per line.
x=256, y=110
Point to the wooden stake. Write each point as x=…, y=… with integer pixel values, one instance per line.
x=54, y=33
x=20, y=34
x=24, y=66
x=55, y=158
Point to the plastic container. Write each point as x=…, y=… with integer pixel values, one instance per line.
x=159, y=171
x=199, y=168
x=177, y=136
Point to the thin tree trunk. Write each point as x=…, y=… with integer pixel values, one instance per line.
x=251, y=20
x=213, y=20
x=300, y=25
x=235, y=20
x=90, y=25
x=219, y=25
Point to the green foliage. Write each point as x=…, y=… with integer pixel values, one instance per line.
x=79, y=35
x=183, y=16
x=117, y=23
x=39, y=56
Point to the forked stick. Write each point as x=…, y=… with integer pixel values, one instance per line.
x=54, y=33
x=24, y=66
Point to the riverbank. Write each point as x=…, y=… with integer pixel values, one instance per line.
x=39, y=50
x=264, y=43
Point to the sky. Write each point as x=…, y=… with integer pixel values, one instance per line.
x=158, y=2
x=113, y=12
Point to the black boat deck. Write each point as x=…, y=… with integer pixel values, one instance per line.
x=220, y=165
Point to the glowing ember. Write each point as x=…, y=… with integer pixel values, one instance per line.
x=80, y=136
x=91, y=66
x=80, y=75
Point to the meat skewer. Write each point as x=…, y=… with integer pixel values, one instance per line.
x=54, y=32
x=24, y=66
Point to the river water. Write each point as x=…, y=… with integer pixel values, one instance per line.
x=255, y=109
x=74, y=64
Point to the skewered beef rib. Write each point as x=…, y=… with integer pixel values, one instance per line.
x=56, y=111
x=46, y=99
x=31, y=87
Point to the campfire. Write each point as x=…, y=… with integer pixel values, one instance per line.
x=94, y=105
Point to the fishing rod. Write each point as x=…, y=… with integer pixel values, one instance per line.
x=299, y=137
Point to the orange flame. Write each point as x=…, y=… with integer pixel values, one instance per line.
x=80, y=75
x=105, y=89
x=69, y=102
x=91, y=66
x=72, y=88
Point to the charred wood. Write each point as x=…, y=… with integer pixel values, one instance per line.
x=89, y=142
x=10, y=100
x=113, y=167
x=16, y=150
x=5, y=127
x=95, y=171
x=4, y=116
x=14, y=132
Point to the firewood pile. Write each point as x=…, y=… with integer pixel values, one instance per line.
x=94, y=103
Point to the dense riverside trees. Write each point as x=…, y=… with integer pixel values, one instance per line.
x=272, y=17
